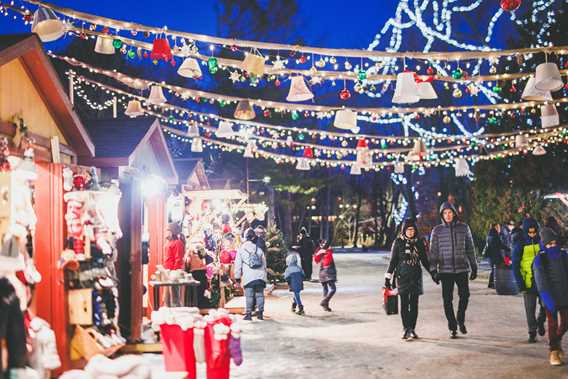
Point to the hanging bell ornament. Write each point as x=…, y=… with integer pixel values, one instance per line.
x=344, y=94
x=446, y=119
x=348, y=65
x=212, y=65
x=332, y=60
x=492, y=70
x=457, y=93
x=457, y=74
x=320, y=63
x=510, y=5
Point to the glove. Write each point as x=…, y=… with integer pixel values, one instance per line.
x=473, y=274
x=387, y=283
x=435, y=276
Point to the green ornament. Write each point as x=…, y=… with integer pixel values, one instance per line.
x=171, y=118
x=295, y=115
x=384, y=144
x=213, y=65
x=497, y=89
x=222, y=103
x=457, y=74
x=492, y=120
x=301, y=136
x=117, y=43
x=131, y=54
x=362, y=75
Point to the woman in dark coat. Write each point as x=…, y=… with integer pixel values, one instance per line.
x=495, y=251
x=407, y=253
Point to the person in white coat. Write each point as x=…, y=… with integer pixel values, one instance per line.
x=250, y=271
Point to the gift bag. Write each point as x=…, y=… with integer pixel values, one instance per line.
x=178, y=350
x=390, y=301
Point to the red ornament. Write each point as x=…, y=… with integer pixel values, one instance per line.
x=79, y=182
x=308, y=152
x=566, y=86
x=173, y=62
x=344, y=94
x=106, y=30
x=510, y=5
x=302, y=59
x=566, y=64
x=161, y=49
x=266, y=113
x=28, y=17
x=513, y=89
x=362, y=143
x=430, y=70
x=234, y=48
x=277, y=83
x=145, y=54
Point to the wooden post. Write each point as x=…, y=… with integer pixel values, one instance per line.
x=51, y=297
x=157, y=230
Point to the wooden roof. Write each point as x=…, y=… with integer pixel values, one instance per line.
x=29, y=50
x=117, y=142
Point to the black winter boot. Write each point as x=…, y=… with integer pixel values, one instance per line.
x=293, y=307
x=248, y=317
x=532, y=337
x=541, y=328
x=260, y=315
x=301, y=310
x=463, y=329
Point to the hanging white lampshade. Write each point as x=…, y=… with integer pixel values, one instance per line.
x=156, y=95
x=364, y=159
x=192, y=131
x=244, y=111
x=134, y=109
x=47, y=25
x=548, y=77
x=249, y=149
x=539, y=151
x=355, y=169
x=462, y=167
x=399, y=168
x=531, y=93
x=347, y=120
x=190, y=69
x=299, y=91
x=521, y=141
x=104, y=45
x=225, y=130
x=303, y=164
x=426, y=91
x=418, y=151
x=549, y=116
x=406, y=90
x=254, y=64
x=197, y=145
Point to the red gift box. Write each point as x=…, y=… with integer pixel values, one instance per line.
x=178, y=349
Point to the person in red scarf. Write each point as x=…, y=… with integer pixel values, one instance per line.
x=327, y=274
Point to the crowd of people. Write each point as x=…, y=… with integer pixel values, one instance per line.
x=534, y=254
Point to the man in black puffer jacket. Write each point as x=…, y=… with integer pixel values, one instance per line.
x=452, y=258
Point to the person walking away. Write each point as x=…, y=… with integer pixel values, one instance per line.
x=524, y=252
x=453, y=262
x=327, y=273
x=307, y=248
x=175, y=252
x=495, y=250
x=294, y=275
x=407, y=253
x=250, y=271
x=551, y=278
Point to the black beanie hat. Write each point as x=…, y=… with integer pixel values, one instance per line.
x=408, y=223
x=548, y=235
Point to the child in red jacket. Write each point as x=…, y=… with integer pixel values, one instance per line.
x=327, y=274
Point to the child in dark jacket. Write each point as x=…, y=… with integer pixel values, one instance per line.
x=294, y=275
x=551, y=276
